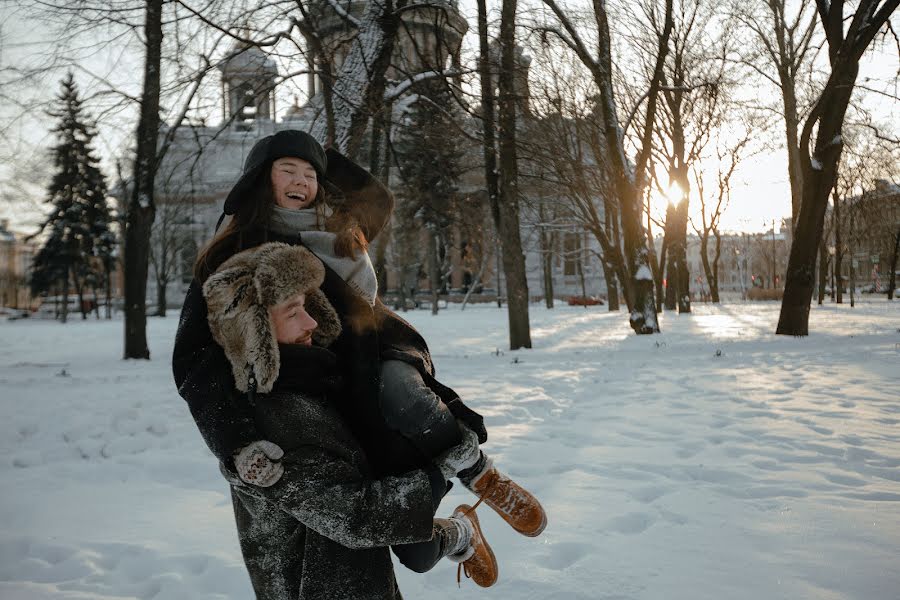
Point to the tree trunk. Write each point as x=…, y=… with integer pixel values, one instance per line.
x=487, y=110
x=547, y=260
x=679, y=174
x=141, y=210
x=612, y=288
x=108, y=292
x=892, y=281
x=666, y=266
x=680, y=251
x=65, y=295
x=160, y=299
x=656, y=265
x=510, y=236
x=792, y=129
x=583, y=284
x=851, y=236
x=401, y=300
x=707, y=270
x=79, y=291
x=358, y=91
x=714, y=282
x=838, y=248
x=818, y=180
x=628, y=180
x=823, y=272
x=671, y=281
x=433, y=269
x=678, y=279
x=660, y=275
x=499, y=271
x=833, y=292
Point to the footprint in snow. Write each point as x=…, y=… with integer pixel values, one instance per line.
x=564, y=554
x=28, y=458
x=631, y=524
x=649, y=494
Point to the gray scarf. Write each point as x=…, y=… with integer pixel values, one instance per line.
x=359, y=273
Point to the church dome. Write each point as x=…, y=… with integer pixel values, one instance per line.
x=248, y=60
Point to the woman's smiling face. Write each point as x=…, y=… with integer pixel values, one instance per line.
x=294, y=183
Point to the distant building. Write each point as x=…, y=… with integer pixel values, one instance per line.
x=870, y=224
x=746, y=260
x=204, y=161
x=16, y=257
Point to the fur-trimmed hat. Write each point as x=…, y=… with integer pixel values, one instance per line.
x=241, y=292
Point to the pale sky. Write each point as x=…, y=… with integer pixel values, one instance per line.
x=760, y=190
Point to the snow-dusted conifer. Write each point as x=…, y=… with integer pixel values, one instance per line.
x=79, y=241
x=429, y=155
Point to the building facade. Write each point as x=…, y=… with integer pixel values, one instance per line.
x=203, y=162
x=16, y=257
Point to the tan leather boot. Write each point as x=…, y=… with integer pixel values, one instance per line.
x=478, y=561
x=512, y=502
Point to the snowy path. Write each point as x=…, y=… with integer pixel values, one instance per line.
x=713, y=461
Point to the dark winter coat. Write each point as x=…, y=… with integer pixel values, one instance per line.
x=322, y=531
x=204, y=379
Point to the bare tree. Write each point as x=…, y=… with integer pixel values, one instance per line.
x=360, y=84
x=628, y=180
x=713, y=205
x=141, y=207
x=819, y=167
x=171, y=241
x=865, y=212
x=508, y=197
x=695, y=105
x=784, y=35
x=568, y=164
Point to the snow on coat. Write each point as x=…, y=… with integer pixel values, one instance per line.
x=323, y=530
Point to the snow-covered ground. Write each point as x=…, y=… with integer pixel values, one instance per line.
x=715, y=460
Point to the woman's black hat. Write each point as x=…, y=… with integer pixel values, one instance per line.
x=291, y=142
x=349, y=186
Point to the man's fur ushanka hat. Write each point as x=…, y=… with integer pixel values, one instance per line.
x=241, y=292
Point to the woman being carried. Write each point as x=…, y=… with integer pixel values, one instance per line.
x=400, y=414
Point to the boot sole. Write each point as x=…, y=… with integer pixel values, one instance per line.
x=474, y=518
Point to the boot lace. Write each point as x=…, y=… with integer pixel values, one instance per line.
x=463, y=567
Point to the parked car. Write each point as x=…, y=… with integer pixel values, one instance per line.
x=585, y=301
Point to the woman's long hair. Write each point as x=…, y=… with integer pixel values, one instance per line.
x=249, y=225
x=249, y=220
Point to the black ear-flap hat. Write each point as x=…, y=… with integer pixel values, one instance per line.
x=291, y=142
x=349, y=186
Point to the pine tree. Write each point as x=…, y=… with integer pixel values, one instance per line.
x=78, y=248
x=429, y=154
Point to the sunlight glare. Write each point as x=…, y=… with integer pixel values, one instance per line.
x=659, y=201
